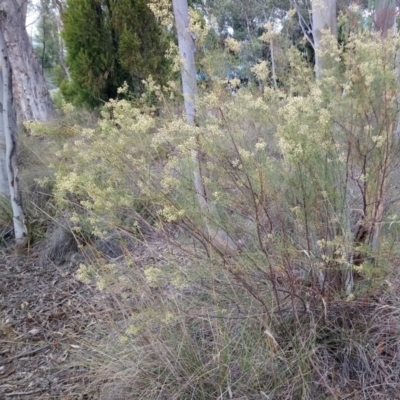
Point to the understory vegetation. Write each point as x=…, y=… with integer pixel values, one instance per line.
x=302, y=176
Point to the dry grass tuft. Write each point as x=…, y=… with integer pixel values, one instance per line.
x=190, y=328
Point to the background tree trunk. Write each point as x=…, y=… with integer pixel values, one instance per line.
x=31, y=96
x=323, y=17
x=60, y=27
x=217, y=237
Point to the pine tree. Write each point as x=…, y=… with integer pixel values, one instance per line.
x=109, y=42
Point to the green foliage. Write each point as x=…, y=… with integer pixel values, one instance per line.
x=108, y=43
x=47, y=45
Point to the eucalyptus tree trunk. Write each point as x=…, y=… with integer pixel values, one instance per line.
x=8, y=135
x=323, y=18
x=324, y=22
x=31, y=96
x=4, y=187
x=217, y=237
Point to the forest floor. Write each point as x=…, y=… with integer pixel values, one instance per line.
x=44, y=312
x=49, y=320
x=52, y=326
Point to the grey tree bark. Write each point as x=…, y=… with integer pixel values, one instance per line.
x=31, y=96
x=323, y=18
x=218, y=238
x=9, y=136
x=323, y=22
x=4, y=188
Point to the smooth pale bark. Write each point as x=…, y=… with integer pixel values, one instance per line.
x=271, y=45
x=4, y=187
x=323, y=22
x=31, y=96
x=9, y=131
x=217, y=236
x=323, y=18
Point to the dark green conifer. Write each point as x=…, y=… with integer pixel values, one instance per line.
x=109, y=42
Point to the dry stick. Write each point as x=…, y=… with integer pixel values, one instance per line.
x=28, y=353
x=14, y=394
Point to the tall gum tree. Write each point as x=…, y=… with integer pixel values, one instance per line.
x=23, y=95
x=217, y=237
x=4, y=188
x=31, y=96
x=8, y=139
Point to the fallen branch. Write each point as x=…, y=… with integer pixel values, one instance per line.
x=28, y=353
x=14, y=394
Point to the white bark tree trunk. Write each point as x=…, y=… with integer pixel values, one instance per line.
x=31, y=96
x=9, y=131
x=323, y=17
x=217, y=236
x=4, y=187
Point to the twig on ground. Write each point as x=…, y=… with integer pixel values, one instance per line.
x=14, y=394
x=28, y=353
